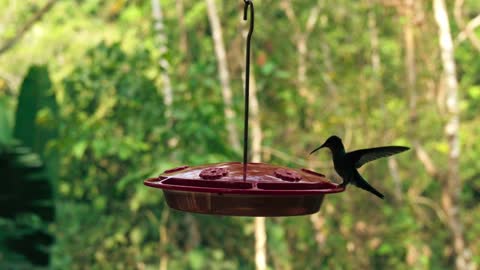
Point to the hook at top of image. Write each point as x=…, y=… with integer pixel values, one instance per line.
x=249, y=3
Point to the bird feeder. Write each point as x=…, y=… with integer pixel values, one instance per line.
x=244, y=188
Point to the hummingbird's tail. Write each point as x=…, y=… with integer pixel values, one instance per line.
x=362, y=183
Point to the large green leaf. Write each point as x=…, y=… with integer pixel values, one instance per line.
x=37, y=116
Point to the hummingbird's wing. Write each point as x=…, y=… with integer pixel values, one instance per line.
x=362, y=156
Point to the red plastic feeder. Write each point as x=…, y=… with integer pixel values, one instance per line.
x=231, y=189
x=221, y=189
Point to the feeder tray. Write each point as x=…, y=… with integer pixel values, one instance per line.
x=221, y=189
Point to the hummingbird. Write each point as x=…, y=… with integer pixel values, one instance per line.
x=346, y=164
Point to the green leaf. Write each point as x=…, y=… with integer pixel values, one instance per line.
x=268, y=68
x=196, y=259
x=79, y=149
x=474, y=92
x=195, y=14
x=35, y=95
x=5, y=127
x=37, y=116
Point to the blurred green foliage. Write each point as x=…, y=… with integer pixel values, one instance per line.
x=88, y=76
x=27, y=209
x=27, y=195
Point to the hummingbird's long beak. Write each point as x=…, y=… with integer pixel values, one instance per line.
x=318, y=148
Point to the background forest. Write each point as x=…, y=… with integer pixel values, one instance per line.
x=96, y=96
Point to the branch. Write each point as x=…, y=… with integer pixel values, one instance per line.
x=427, y=162
x=393, y=168
x=432, y=205
x=458, y=14
x=468, y=33
x=286, y=5
x=468, y=29
x=11, y=81
x=391, y=3
x=24, y=29
x=318, y=223
x=312, y=19
x=396, y=4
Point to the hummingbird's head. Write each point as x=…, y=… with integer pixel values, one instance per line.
x=333, y=143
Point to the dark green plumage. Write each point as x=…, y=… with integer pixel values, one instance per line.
x=346, y=164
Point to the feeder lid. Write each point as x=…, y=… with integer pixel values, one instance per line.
x=221, y=188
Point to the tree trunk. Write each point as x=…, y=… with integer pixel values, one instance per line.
x=410, y=65
x=223, y=74
x=257, y=136
x=260, y=232
x=164, y=239
x=163, y=63
x=260, y=244
x=302, y=51
x=411, y=72
x=452, y=187
x=183, y=43
x=300, y=38
x=181, y=27
x=376, y=61
x=256, y=125
x=375, y=45
x=329, y=70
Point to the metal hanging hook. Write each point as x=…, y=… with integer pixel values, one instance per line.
x=248, y=3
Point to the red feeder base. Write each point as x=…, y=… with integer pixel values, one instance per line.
x=221, y=189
